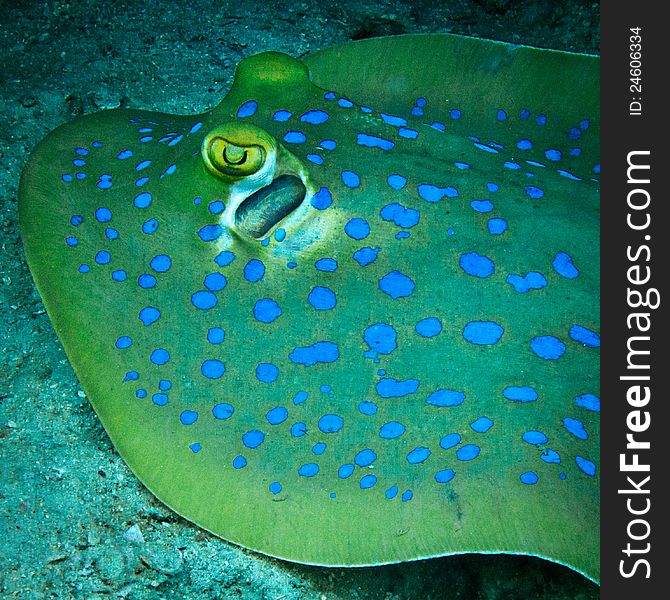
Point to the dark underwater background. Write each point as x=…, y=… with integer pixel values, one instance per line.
x=74, y=521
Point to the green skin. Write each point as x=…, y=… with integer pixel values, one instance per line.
x=484, y=508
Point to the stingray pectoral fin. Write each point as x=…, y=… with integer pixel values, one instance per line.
x=329, y=333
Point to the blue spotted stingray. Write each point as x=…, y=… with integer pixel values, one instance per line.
x=350, y=315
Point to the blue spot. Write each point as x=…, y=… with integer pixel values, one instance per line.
x=322, y=298
x=328, y=144
x=365, y=458
x=512, y=165
x=368, y=408
x=497, y=226
x=397, y=182
x=524, y=144
x=372, y=141
x=160, y=356
x=407, y=495
x=131, y=376
x=76, y=220
x=532, y=281
x=586, y=466
x=529, y=478
x=321, y=352
x=196, y=127
x=393, y=388
x=319, y=448
x=103, y=257
x=367, y=481
x=330, y=423
x=476, y=265
x=215, y=282
x=534, y=192
x=467, y=452
x=71, y=241
x=585, y=336
x=277, y=415
x=146, y=281
x=330, y=96
x=534, y=437
x=149, y=315
x=254, y=270
x=139, y=183
x=351, y=180
x=345, y=103
x=253, y=439
x=159, y=399
x=195, y=447
x=553, y=154
x=247, y=109
x=482, y=206
x=103, y=215
x=396, y=285
x=123, y=342
x=105, y=182
x=482, y=332
x=164, y=385
x=418, y=455
x=161, y=263
x=461, y=165
x=150, y=226
x=563, y=266
x=67, y=177
x=275, y=487
x=429, y=327
x=239, y=462
x=300, y=397
x=124, y=154
x=443, y=398
x=315, y=158
x=224, y=258
x=444, y=476
x=267, y=372
x=322, y=199
x=309, y=470
x=547, y=347
x=410, y=134
x=520, y=394
x=216, y=207
x=391, y=430
x=215, y=335
x=295, y=137
x=204, y=300
x=501, y=115
x=400, y=215
x=524, y=114
x=345, y=471
x=482, y=424
x=209, y=233
x=432, y=193
x=212, y=369
x=281, y=115
x=486, y=148
x=589, y=402
x=575, y=427
x=365, y=256
x=574, y=133
x=492, y=187
x=223, y=411
x=393, y=120
x=327, y=265
x=381, y=339
x=142, y=200
x=551, y=456
x=142, y=165
x=188, y=417
x=455, y=114
x=111, y=233
x=450, y=440
x=392, y=492
x=357, y=228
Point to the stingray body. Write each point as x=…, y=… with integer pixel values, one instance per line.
x=350, y=315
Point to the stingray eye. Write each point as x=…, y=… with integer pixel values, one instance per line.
x=233, y=159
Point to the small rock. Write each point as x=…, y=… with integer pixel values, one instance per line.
x=134, y=534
